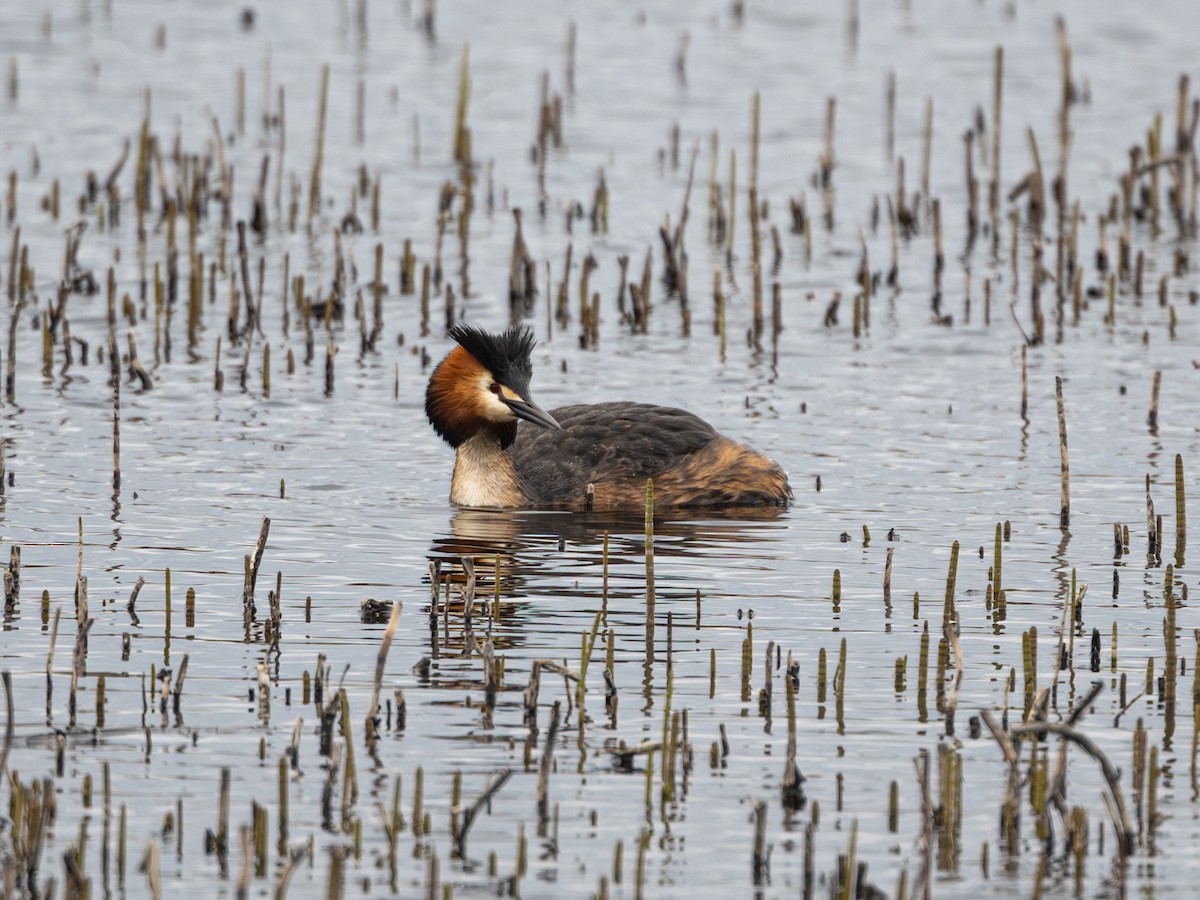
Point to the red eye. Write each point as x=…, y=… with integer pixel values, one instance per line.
x=495, y=388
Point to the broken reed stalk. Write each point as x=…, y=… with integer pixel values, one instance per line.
x=543, y=782
x=472, y=813
x=372, y=722
x=793, y=793
x=10, y=377
x=755, y=224
x=759, y=861
x=152, y=868
x=950, y=702
x=826, y=161
x=116, y=479
x=719, y=304
x=50, y=664
x=570, y=64
x=9, y=726
x=998, y=568
x=1155, y=548
x=534, y=686
x=314, y=185
x=927, y=146
x=1024, y=382
x=79, y=660
x=887, y=580
x=1155, y=391
x=221, y=842
x=255, y=561
x=462, y=134
x=585, y=656
x=1112, y=776
x=177, y=695
x=1065, y=483
x=948, y=611
x=1180, y=512
x=350, y=770
x=649, y=535
x=732, y=206
x=994, y=187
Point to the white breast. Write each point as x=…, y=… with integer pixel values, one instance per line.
x=483, y=474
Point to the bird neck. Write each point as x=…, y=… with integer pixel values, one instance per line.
x=484, y=474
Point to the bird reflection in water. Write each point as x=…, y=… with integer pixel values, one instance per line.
x=500, y=578
x=533, y=553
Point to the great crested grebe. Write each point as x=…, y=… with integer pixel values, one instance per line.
x=480, y=390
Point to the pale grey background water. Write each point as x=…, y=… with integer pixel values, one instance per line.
x=913, y=426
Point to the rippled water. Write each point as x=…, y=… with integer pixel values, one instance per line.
x=912, y=428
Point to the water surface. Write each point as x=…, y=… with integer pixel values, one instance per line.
x=912, y=428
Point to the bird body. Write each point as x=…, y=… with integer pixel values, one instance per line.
x=615, y=447
x=479, y=391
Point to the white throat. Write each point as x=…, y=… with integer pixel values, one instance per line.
x=483, y=474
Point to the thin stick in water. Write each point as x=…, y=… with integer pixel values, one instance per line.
x=1065, y=486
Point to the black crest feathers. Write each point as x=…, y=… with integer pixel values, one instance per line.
x=505, y=355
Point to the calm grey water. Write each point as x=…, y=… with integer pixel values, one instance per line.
x=913, y=429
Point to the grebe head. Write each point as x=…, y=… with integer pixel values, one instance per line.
x=484, y=383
